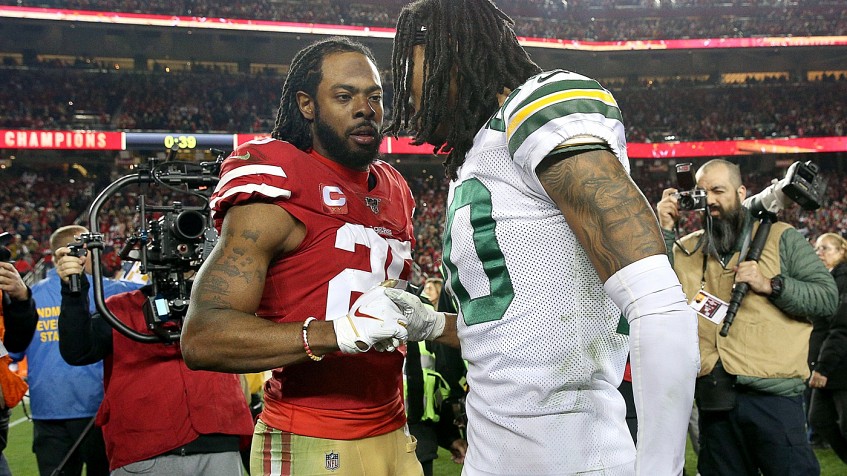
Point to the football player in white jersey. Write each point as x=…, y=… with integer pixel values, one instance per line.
x=548, y=244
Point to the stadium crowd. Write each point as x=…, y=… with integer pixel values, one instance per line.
x=592, y=20
x=70, y=96
x=32, y=206
x=52, y=200
x=74, y=97
x=89, y=93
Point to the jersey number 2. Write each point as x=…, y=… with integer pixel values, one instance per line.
x=342, y=286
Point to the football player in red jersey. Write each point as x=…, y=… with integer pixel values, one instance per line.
x=309, y=221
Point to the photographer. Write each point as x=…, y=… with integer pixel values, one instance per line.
x=751, y=382
x=18, y=312
x=63, y=399
x=157, y=416
x=16, y=329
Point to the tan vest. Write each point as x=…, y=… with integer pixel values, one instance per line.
x=763, y=341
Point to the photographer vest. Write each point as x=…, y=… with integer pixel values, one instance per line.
x=763, y=341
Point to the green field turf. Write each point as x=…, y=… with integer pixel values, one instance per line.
x=22, y=460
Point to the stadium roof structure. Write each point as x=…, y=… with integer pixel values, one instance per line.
x=113, y=34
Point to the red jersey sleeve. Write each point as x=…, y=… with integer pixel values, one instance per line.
x=251, y=175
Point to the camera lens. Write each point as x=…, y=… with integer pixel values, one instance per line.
x=189, y=225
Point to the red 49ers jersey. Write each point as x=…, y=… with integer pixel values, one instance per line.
x=356, y=237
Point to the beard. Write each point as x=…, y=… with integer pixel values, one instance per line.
x=344, y=152
x=725, y=231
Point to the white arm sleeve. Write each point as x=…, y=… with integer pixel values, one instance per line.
x=665, y=359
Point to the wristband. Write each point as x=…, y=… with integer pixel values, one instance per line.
x=306, y=347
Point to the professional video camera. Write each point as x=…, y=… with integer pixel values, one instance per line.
x=689, y=198
x=802, y=184
x=169, y=242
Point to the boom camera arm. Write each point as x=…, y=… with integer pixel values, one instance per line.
x=170, y=242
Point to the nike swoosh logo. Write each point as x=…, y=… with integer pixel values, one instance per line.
x=358, y=313
x=242, y=157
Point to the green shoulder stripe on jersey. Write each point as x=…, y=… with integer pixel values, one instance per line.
x=555, y=110
x=497, y=122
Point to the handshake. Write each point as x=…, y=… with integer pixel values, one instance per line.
x=385, y=317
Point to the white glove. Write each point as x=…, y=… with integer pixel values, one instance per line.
x=373, y=321
x=421, y=321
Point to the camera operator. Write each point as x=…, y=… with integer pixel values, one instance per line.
x=16, y=329
x=750, y=387
x=157, y=416
x=63, y=399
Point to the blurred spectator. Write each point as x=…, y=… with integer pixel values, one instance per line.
x=17, y=324
x=828, y=350
x=64, y=399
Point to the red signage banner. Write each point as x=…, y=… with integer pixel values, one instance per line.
x=668, y=150
x=71, y=140
x=103, y=140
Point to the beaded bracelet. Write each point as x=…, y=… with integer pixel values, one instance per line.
x=306, y=341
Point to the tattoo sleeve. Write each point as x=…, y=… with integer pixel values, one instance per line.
x=233, y=272
x=605, y=209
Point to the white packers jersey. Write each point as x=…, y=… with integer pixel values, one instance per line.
x=537, y=329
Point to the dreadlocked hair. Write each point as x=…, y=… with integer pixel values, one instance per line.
x=474, y=37
x=305, y=75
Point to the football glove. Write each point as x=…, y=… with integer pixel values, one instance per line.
x=421, y=321
x=373, y=321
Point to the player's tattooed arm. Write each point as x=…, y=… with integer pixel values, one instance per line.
x=608, y=213
x=221, y=331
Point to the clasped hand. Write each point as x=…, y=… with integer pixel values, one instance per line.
x=384, y=318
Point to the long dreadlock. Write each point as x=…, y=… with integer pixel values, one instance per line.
x=477, y=38
x=305, y=75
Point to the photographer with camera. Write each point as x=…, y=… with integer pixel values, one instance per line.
x=158, y=417
x=18, y=320
x=751, y=382
x=63, y=398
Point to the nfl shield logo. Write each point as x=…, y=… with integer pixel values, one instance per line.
x=331, y=462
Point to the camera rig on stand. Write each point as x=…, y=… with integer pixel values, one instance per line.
x=169, y=243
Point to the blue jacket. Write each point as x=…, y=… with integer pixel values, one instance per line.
x=58, y=391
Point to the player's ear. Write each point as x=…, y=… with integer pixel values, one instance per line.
x=306, y=105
